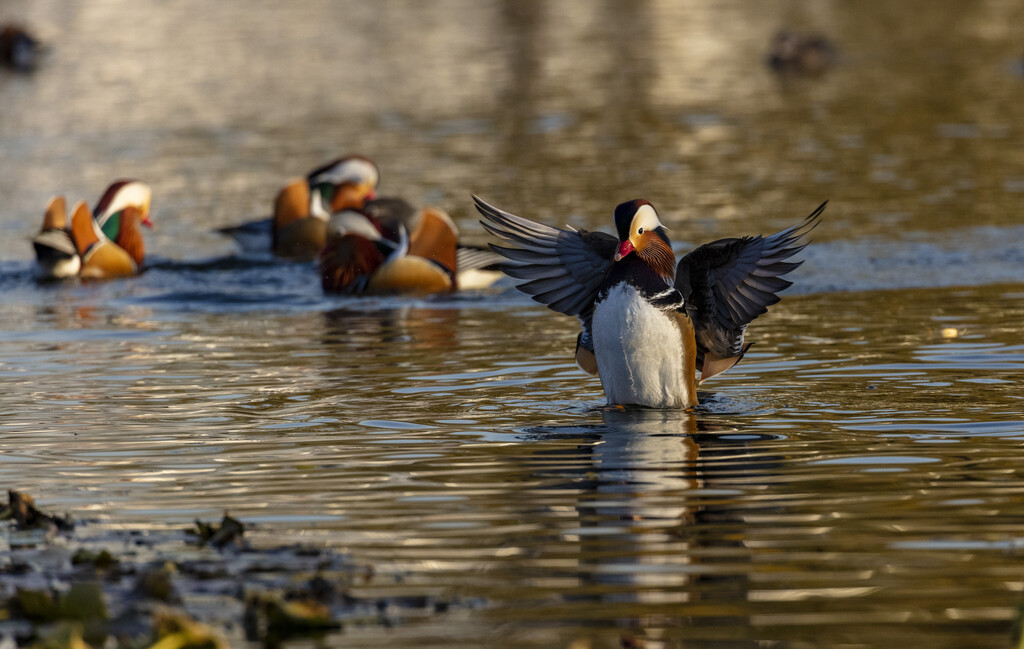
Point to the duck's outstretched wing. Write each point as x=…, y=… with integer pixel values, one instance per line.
x=559, y=268
x=729, y=282
x=470, y=257
x=478, y=267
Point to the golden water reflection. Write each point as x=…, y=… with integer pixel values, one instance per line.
x=854, y=481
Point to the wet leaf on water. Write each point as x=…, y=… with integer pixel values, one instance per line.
x=229, y=531
x=101, y=560
x=308, y=589
x=176, y=630
x=317, y=588
x=158, y=583
x=33, y=604
x=67, y=635
x=83, y=601
x=22, y=509
x=271, y=617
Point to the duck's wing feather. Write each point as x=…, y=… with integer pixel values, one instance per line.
x=261, y=227
x=251, y=236
x=729, y=282
x=435, y=238
x=54, y=244
x=562, y=269
x=470, y=257
x=348, y=262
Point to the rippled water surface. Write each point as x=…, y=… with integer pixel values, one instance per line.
x=855, y=481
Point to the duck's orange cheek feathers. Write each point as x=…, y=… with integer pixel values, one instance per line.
x=351, y=196
x=658, y=255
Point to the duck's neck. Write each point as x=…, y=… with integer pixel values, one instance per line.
x=638, y=273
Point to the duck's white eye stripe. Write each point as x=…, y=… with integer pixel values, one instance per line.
x=645, y=219
x=354, y=170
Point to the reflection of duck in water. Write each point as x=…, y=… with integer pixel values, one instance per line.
x=793, y=53
x=656, y=535
x=648, y=452
x=647, y=323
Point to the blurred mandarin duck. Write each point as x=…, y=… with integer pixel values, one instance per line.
x=390, y=247
x=648, y=324
x=62, y=248
x=121, y=195
x=795, y=54
x=18, y=48
x=298, y=227
x=303, y=208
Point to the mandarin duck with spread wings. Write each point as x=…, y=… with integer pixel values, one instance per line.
x=647, y=323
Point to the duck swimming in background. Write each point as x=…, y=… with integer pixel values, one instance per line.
x=796, y=54
x=391, y=247
x=18, y=48
x=303, y=208
x=298, y=228
x=101, y=257
x=648, y=324
x=61, y=245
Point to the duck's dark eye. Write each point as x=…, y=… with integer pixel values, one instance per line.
x=640, y=231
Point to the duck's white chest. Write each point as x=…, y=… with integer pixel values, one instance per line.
x=639, y=352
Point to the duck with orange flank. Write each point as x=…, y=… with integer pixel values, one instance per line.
x=390, y=247
x=298, y=228
x=104, y=243
x=303, y=208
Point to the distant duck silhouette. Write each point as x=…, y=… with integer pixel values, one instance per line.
x=391, y=247
x=18, y=48
x=799, y=54
x=106, y=242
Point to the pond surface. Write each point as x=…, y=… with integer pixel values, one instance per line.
x=856, y=481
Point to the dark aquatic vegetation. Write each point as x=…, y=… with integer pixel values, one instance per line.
x=21, y=509
x=230, y=530
x=125, y=588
